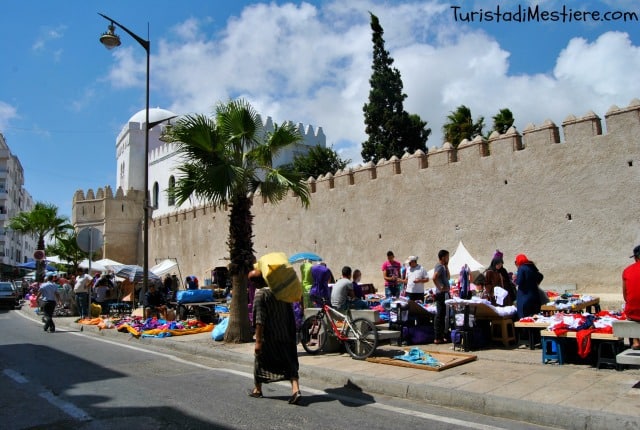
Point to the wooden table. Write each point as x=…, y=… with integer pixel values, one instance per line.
x=502, y=328
x=532, y=329
x=573, y=335
x=607, y=340
x=592, y=306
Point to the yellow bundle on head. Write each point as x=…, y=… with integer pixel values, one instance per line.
x=280, y=276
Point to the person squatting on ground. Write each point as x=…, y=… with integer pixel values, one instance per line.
x=342, y=294
x=49, y=294
x=276, y=353
x=154, y=303
x=441, y=278
x=631, y=292
x=191, y=283
x=391, y=274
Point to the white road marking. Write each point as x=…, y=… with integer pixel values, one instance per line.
x=15, y=376
x=366, y=403
x=66, y=407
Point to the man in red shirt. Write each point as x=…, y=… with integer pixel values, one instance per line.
x=631, y=291
x=391, y=274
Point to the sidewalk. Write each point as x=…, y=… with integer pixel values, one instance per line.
x=510, y=383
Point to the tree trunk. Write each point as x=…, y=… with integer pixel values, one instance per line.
x=241, y=254
x=238, y=330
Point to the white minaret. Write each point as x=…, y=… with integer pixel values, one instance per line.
x=130, y=148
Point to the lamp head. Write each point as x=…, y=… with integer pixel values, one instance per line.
x=109, y=38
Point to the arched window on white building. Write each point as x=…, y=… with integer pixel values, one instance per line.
x=172, y=185
x=156, y=194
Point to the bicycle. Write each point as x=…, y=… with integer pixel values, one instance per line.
x=359, y=336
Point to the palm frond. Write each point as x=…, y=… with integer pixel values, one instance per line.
x=196, y=136
x=280, y=138
x=241, y=125
x=278, y=182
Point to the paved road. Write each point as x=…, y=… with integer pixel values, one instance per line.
x=69, y=379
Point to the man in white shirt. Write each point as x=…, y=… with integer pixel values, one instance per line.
x=415, y=278
x=49, y=294
x=81, y=290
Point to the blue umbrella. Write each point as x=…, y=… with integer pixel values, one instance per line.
x=31, y=265
x=133, y=272
x=301, y=256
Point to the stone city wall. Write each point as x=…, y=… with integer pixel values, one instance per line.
x=571, y=206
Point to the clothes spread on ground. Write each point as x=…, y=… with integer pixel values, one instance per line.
x=418, y=356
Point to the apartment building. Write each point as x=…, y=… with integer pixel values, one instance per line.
x=15, y=247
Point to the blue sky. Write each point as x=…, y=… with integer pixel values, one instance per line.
x=64, y=98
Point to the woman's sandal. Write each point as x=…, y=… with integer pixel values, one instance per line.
x=295, y=398
x=255, y=394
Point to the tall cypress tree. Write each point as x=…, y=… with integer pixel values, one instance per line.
x=391, y=130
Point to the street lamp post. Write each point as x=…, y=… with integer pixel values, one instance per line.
x=111, y=40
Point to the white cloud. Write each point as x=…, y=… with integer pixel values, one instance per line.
x=7, y=113
x=312, y=65
x=47, y=35
x=611, y=55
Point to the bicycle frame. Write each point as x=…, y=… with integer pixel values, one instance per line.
x=359, y=335
x=333, y=316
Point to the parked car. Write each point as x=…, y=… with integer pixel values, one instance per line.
x=9, y=295
x=17, y=285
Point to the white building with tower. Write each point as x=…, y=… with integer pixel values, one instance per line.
x=119, y=215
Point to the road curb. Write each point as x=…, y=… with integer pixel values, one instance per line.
x=545, y=414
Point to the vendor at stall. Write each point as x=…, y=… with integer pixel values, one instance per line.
x=154, y=303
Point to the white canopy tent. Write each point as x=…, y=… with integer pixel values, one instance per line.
x=102, y=265
x=164, y=267
x=95, y=267
x=458, y=259
x=108, y=263
x=56, y=260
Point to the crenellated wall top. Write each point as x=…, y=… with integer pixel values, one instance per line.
x=104, y=193
x=575, y=129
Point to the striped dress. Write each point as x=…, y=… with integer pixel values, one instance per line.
x=279, y=358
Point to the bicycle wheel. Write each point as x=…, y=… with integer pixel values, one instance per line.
x=313, y=334
x=363, y=338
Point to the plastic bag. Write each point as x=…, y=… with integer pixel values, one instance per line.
x=280, y=277
x=220, y=329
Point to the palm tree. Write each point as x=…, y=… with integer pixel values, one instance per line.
x=460, y=126
x=66, y=247
x=42, y=220
x=227, y=159
x=502, y=121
